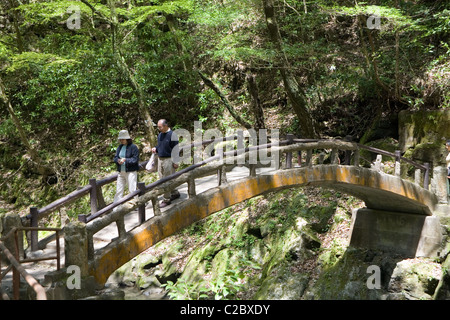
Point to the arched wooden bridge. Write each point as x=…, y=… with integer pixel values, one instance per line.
x=385, y=193
x=380, y=191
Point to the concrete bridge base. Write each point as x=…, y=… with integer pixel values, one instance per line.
x=411, y=235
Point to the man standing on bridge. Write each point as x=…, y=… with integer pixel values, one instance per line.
x=167, y=140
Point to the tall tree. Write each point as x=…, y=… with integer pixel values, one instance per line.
x=256, y=102
x=293, y=89
x=225, y=101
x=40, y=165
x=116, y=30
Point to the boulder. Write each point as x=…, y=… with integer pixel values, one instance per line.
x=415, y=279
x=283, y=285
x=422, y=134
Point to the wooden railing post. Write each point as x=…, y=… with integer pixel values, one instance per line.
x=418, y=177
x=356, y=158
x=93, y=195
x=334, y=156
x=252, y=170
x=16, y=273
x=398, y=155
x=222, y=175
x=76, y=246
x=299, y=158
x=156, y=208
x=377, y=165
x=191, y=187
x=348, y=153
x=120, y=223
x=426, y=179
x=309, y=158
x=290, y=140
x=34, y=223
x=141, y=209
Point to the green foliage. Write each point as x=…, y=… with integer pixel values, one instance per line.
x=45, y=12
x=227, y=285
x=394, y=16
x=223, y=288
x=139, y=14
x=182, y=290
x=30, y=62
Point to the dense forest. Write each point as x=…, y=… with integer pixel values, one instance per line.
x=75, y=73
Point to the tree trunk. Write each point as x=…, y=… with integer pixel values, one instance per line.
x=34, y=156
x=225, y=101
x=143, y=108
x=397, y=47
x=256, y=102
x=15, y=24
x=293, y=90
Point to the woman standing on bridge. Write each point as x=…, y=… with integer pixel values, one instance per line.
x=127, y=161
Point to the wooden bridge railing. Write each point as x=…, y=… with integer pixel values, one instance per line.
x=16, y=263
x=101, y=214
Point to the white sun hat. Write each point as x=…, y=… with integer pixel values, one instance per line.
x=123, y=134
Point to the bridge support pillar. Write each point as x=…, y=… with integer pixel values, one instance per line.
x=410, y=235
x=439, y=183
x=76, y=246
x=73, y=281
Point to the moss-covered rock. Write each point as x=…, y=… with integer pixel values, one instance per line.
x=387, y=144
x=422, y=135
x=415, y=279
x=344, y=278
x=283, y=285
x=442, y=291
x=423, y=127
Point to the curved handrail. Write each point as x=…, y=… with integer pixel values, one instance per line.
x=394, y=155
x=80, y=192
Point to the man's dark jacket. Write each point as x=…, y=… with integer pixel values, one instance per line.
x=166, y=142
